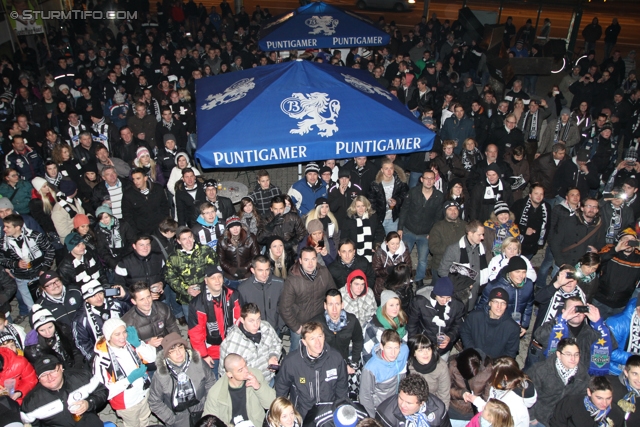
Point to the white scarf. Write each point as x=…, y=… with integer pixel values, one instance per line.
x=490, y=194
x=565, y=373
x=633, y=346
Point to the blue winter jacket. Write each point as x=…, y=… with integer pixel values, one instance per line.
x=520, y=299
x=620, y=326
x=304, y=195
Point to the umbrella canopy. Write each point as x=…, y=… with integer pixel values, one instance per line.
x=300, y=111
x=319, y=25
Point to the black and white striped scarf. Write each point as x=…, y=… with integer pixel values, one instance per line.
x=565, y=131
x=364, y=244
x=524, y=219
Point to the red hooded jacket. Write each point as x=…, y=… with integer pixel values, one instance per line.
x=18, y=368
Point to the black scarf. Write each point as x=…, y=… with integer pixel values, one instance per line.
x=254, y=338
x=184, y=392
x=524, y=219
x=213, y=324
x=425, y=369
x=310, y=276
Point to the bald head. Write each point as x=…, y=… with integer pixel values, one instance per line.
x=231, y=361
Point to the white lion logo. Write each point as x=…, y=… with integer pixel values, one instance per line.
x=313, y=105
x=236, y=91
x=324, y=25
x=365, y=87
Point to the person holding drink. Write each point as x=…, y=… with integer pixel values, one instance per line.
x=121, y=365
x=76, y=397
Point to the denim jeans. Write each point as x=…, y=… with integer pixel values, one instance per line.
x=422, y=242
x=185, y=311
x=295, y=341
x=25, y=295
x=170, y=300
x=547, y=264
x=605, y=310
x=390, y=225
x=414, y=179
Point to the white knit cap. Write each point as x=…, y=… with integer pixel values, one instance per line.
x=38, y=183
x=40, y=316
x=110, y=326
x=91, y=288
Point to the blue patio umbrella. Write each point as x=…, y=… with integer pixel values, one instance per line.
x=299, y=111
x=319, y=25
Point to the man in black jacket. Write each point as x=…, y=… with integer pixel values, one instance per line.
x=493, y=331
x=189, y=196
x=60, y=300
x=47, y=404
x=342, y=194
x=313, y=373
x=533, y=217
x=413, y=400
x=558, y=376
x=342, y=330
x=575, y=410
x=347, y=261
x=363, y=172
x=288, y=226
x=152, y=319
x=438, y=317
x=145, y=204
x=263, y=289
x=224, y=205
x=422, y=208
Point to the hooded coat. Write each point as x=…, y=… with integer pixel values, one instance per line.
x=162, y=384
x=381, y=378
x=383, y=262
x=364, y=306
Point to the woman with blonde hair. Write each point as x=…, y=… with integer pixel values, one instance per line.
x=362, y=226
x=495, y=413
x=151, y=169
x=323, y=214
x=500, y=225
x=510, y=247
x=389, y=315
x=518, y=108
x=185, y=95
x=282, y=413
x=387, y=192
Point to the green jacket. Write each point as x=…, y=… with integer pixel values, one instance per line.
x=184, y=270
x=258, y=401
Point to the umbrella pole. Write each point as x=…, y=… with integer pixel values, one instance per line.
x=299, y=171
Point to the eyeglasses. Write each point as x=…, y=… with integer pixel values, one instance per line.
x=571, y=355
x=176, y=348
x=55, y=282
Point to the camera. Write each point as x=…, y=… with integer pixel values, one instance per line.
x=582, y=309
x=633, y=243
x=112, y=292
x=575, y=275
x=321, y=244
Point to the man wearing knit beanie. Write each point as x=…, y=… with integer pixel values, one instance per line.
x=519, y=292
x=438, y=316
x=305, y=191
x=492, y=329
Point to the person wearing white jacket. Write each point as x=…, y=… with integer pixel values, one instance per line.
x=121, y=364
x=511, y=386
x=511, y=247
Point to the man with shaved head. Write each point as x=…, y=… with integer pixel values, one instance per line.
x=241, y=394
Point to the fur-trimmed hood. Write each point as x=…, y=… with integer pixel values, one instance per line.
x=162, y=366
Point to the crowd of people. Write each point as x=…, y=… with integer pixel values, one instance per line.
x=115, y=244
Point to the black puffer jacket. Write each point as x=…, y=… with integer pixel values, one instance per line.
x=236, y=260
x=266, y=296
x=8, y=289
x=134, y=268
x=423, y=313
x=100, y=192
x=74, y=380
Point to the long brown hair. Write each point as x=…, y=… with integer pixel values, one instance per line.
x=507, y=374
